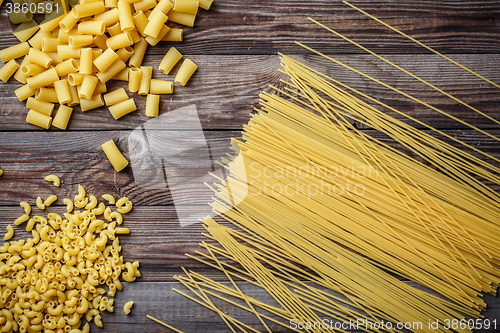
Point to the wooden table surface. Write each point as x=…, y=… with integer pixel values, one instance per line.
x=235, y=45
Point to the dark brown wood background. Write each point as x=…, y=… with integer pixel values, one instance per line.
x=235, y=45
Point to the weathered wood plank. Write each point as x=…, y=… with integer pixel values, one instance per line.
x=225, y=89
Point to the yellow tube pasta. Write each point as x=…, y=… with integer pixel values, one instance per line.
x=24, y=92
x=156, y=21
x=125, y=53
x=163, y=6
x=88, y=86
x=68, y=22
x=67, y=67
x=63, y=36
x=92, y=103
x=55, y=57
x=135, y=35
x=160, y=87
x=144, y=5
x=62, y=116
x=40, y=58
x=25, y=30
x=32, y=69
x=88, y=9
x=134, y=79
x=14, y=52
x=86, y=61
x=36, y=40
x=106, y=59
x=100, y=88
x=122, y=108
x=146, y=73
x=114, y=29
x=20, y=17
x=20, y=76
x=75, y=79
x=168, y=62
x=38, y=119
x=100, y=42
x=140, y=21
x=109, y=17
x=62, y=91
x=114, y=69
x=80, y=40
x=67, y=52
x=8, y=70
x=163, y=31
x=92, y=28
x=49, y=44
x=52, y=20
x=152, y=105
x=174, y=35
x=117, y=42
x=75, y=99
x=43, y=79
x=111, y=3
x=205, y=4
x=186, y=6
x=115, y=97
x=122, y=75
x=40, y=106
x=139, y=51
x=125, y=14
x=118, y=161
x=182, y=18
x=46, y=95
x=185, y=72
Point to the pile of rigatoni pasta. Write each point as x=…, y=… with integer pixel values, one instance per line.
x=72, y=54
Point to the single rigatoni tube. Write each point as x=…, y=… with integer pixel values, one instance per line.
x=62, y=116
x=160, y=87
x=182, y=18
x=205, y=4
x=62, y=91
x=121, y=40
x=86, y=57
x=135, y=35
x=25, y=30
x=185, y=72
x=8, y=70
x=125, y=53
x=156, y=21
x=106, y=59
x=122, y=75
x=122, y=108
x=43, y=79
x=75, y=79
x=140, y=21
x=146, y=73
x=46, y=95
x=20, y=76
x=55, y=57
x=139, y=51
x=13, y=52
x=118, y=161
x=68, y=22
x=152, y=105
x=67, y=67
x=88, y=86
x=63, y=36
x=40, y=58
x=81, y=40
x=67, y=52
x=52, y=20
x=92, y=28
x=100, y=42
x=42, y=107
x=92, y=103
x=174, y=35
x=114, y=69
x=115, y=97
x=144, y=5
x=134, y=79
x=49, y=44
x=32, y=69
x=111, y=3
x=186, y=6
x=24, y=92
x=38, y=119
x=168, y=62
x=125, y=14
x=20, y=17
x=36, y=40
x=109, y=17
x=88, y=9
x=114, y=29
x=100, y=88
x=153, y=41
x=163, y=6
x=75, y=99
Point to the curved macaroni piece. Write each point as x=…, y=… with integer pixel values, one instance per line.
x=97, y=320
x=100, y=209
x=21, y=219
x=116, y=216
x=92, y=202
x=121, y=202
x=125, y=209
x=109, y=198
x=69, y=205
x=50, y=200
x=82, y=203
x=53, y=179
x=26, y=206
x=128, y=307
x=10, y=233
x=122, y=231
x=39, y=203
x=81, y=193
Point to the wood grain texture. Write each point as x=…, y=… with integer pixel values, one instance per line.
x=235, y=45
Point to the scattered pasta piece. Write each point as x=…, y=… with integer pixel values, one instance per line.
x=127, y=307
x=109, y=198
x=114, y=155
x=40, y=204
x=10, y=233
x=26, y=206
x=53, y=179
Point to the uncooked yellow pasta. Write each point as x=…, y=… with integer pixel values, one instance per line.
x=38, y=119
x=36, y=40
x=186, y=6
x=92, y=28
x=68, y=22
x=62, y=91
x=109, y=17
x=121, y=40
x=100, y=88
x=114, y=69
x=140, y=21
x=30, y=69
x=67, y=52
x=52, y=20
x=125, y=15
x=80, y=40
x=144, y=84
x=205, y=4
x=174, y=35
x=152, y=105
x=53, y=179
x=20, y=76
x=114, y=155
x=168, y=62
x=75, y=99
x=128, y=307
x=156, y=21
x=139, y=51
x=163, y=6
x=185, y=72
x=26, y=206
x=134, y=79
x=63, y=36
x=40, y=58
x=163, y=31
x=46, y=95
x=24, y=92
x=55, y=57
x=9, y=234
x=182, y=18
x=115, y=97
x=8, y=70
x=111, y=3
x=88, y=86
x=125, y=53
x=20, y=17
x=86, y=61
x=50, y=200
x=114, y=29
x=14, y=52
x=25, y=30
x=49, y=44
x=109, y=198
x=92, y=103
x=67, y=67
x=144, y=5
x=100, y=41
x=106, y=59
x=135, y=35
x=161, y=87
x=38, y=105
x=122, y=108
x=88, y=9
x=122, y=75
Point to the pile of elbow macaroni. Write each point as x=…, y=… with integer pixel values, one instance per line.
x=53, y=279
